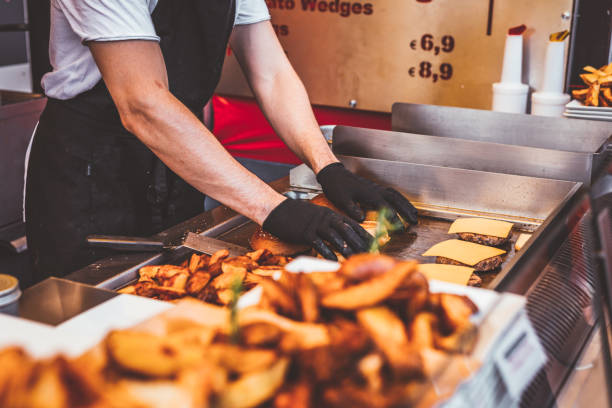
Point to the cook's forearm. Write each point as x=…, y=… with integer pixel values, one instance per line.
x=178, y=138
x=285, y=103
x=135, y=74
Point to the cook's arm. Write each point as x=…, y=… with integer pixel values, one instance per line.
x=280, y=92
x=284, y=101
x=135, y=74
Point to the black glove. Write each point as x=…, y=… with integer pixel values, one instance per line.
x=301, y=222
x=352, y=194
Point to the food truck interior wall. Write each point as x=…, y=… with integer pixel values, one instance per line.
x=590, y=44
x=242, y=128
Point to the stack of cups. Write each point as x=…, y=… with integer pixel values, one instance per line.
x=510, y=95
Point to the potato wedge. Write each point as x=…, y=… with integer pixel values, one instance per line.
x=455, y=311
x=238, y=265
x=580, y=94
x=198, y=262
x=589, y=79
x=370, y=368
x=227, y=279
x=47, y=389
x=184, y=333
x=197, y=282
x=282, y=301
x=309, y=335
x=177, y=281
x=592, y=98
x=370, y=292
x=148, y=273
x=607, y=94
x=241, y=360
x=253, y=389
x=422, y=330
x=327, y=282
x=259, y=335
x=308, y=299
x=142, y=353
x=150, y=394
x=295, y=396
x=413, y=292
x=366, y=266
x=218, y=256
x=161, y=292
x=389, y=334
x=268, y=270
x=324, y=364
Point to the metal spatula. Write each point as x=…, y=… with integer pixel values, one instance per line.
x=200, y=243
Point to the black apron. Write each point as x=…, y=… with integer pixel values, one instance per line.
x=88, y=175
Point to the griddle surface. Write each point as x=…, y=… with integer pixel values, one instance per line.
x=406, y=245
x=239, y=235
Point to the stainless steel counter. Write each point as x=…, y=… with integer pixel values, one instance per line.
x=569, y=135
x=53, y=301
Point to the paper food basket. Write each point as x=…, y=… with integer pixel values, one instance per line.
x=508, y=351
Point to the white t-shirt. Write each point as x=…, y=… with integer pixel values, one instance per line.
x=74, y=22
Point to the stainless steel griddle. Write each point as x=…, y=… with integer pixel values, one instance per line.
x=441, y=194
x=461, y=153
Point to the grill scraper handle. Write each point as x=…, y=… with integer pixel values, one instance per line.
x=122, y=243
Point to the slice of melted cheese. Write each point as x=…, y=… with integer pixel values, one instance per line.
x=447, y=273
x=481, y=226
x=462, y=251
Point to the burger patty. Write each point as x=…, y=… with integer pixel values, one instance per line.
x=483, y=266
x=488, y=240
x=475, y=281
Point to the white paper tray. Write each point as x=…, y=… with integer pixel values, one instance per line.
x=77, y=335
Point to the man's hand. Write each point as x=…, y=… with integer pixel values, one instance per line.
x=352, y=194
x=301, y=222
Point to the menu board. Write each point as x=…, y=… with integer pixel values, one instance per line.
x=377, y=52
